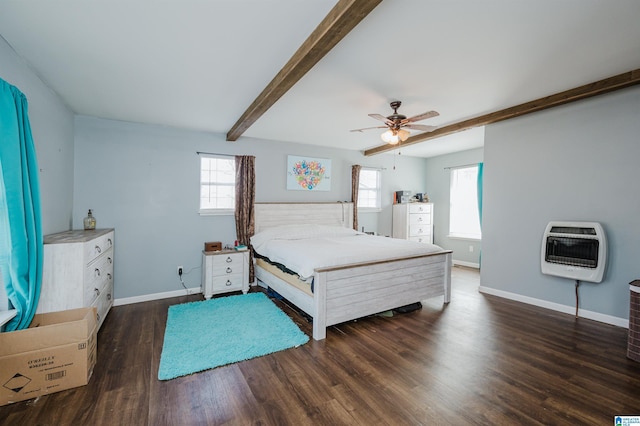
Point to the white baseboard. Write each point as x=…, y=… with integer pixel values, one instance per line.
x=596, y=316
x=467, y=264
x=155, y=296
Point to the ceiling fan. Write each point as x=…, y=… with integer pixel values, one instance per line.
x=395, y=124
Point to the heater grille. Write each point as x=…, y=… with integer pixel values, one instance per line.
x=572, y=251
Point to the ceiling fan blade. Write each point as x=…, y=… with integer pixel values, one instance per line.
x=368, y=128
x=422, y=127
x=381, y=118
x=422, y=116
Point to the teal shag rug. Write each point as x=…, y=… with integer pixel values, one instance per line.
x=215, y=332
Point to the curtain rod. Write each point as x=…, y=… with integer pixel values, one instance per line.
x=215, y=153
x=462, y=165
x=374, y=168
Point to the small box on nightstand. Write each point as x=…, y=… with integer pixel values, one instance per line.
x=213, y=246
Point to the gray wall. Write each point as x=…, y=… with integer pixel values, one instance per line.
x=438, y=184
x=52, y=129
x=143, y=180
x=575, y=162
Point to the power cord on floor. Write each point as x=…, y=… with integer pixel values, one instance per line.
x=182, y=281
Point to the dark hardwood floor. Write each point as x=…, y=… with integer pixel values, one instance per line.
x=479, y=360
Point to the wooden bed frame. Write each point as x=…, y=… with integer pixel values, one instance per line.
x=348, y=292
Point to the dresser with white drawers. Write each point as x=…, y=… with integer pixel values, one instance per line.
x=224, y=271
x=413, y=221
x=78, y=271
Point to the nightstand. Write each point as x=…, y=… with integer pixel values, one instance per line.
x=224, y=271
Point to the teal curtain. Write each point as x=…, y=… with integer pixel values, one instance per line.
x=479, y=189
x=480, y=172
x=21, y=247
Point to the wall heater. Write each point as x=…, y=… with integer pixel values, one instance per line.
x=576, y=250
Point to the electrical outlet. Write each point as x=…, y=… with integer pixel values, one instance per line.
x=179, y=271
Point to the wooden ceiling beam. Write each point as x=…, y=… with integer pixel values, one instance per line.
x=600, y=87
x=342, y=18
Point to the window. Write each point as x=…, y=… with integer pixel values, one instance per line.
x=464, y=220
x=217, y=184
x=369, y=189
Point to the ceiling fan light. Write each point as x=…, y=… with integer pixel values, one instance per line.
x=403, y=135
x=390, y=137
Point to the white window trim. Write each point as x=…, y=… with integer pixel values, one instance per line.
x=460, y=236
x=463, y=237
x=212, y=212
x=379, y=197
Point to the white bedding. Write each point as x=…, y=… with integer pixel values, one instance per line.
x=303, y=248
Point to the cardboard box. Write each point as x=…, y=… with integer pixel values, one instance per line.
x=213, y=246
x=57, y=352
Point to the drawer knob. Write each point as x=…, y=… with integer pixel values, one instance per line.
x=228, y=284
x=98, y=249
x=110, y=242
x=109, y=296
x=110, y=260
x=109, y=276
x=229, y=259
x=229, y=270
x=419, y=219
x=98, y=315
x=97, y=271
x=97, y=291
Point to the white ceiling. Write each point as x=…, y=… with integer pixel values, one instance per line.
x=198, y=64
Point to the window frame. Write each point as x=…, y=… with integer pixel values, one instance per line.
x=216, y=210
x=378, y=190
x=452, y=179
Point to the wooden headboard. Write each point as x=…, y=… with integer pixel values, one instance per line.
x=269, y=215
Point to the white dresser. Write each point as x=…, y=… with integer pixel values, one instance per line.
x=78, y=271
x=413, y=221
x=224, y=271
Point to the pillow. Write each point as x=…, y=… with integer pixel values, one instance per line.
x=300, y=232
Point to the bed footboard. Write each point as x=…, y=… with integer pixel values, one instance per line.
x=353, y=291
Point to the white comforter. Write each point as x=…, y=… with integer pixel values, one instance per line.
x=303, y=248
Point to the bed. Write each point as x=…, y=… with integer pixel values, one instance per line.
x=355, y=287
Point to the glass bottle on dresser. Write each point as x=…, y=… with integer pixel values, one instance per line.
x=89, y=221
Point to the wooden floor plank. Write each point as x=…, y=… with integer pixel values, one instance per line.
x=479, y=360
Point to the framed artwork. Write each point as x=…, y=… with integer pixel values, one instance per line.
x=308, y=174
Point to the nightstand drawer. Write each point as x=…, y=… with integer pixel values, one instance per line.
x=228, y=269
x=228, y=283
x=227, y=259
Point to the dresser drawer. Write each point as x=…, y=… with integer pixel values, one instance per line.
x=94, y=248
x=104, y=302
x=417, y=230
x=419, y=219
x=419, y=208
x=421, y=239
